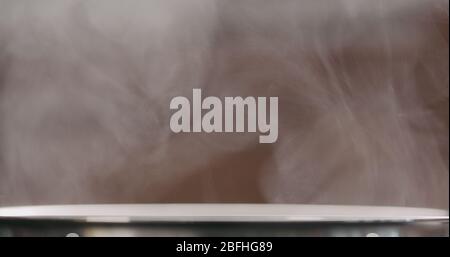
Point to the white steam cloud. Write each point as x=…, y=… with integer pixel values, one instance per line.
x=85, y=88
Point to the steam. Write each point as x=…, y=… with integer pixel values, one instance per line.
x=85, y=88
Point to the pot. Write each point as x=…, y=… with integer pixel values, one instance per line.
x=221, y=220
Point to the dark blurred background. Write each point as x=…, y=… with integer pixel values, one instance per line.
x=363, y=88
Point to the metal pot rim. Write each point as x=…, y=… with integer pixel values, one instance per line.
x=124, y=213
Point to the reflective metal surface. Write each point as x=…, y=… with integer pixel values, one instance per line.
x=221, y=220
